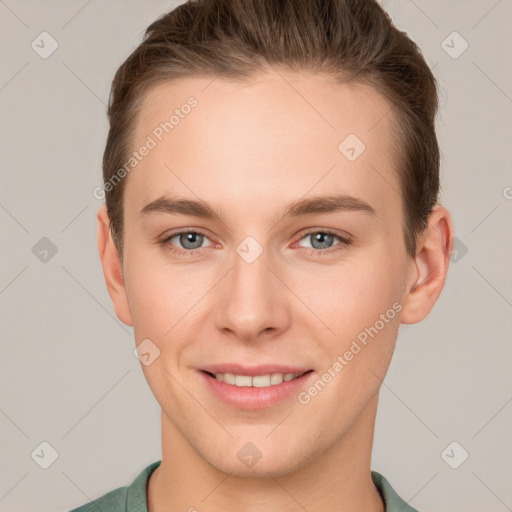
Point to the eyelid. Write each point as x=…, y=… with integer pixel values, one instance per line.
x=164, y=242
x=344, y=240
x=340, y=234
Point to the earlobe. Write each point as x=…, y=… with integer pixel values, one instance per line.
x=112, y=268
x=431, y=261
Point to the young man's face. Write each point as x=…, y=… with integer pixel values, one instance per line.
x=258, y=287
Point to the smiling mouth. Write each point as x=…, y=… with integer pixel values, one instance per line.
x=256, y=381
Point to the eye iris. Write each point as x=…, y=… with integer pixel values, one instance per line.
x=192, y=238
x=321, y=238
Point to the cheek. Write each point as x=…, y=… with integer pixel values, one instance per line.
x=350, y=295
x=360, y=304
x=156, y=297
x=363, y=311
x=167, y=299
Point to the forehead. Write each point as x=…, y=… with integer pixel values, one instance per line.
x=277, y=137
x=274, y=100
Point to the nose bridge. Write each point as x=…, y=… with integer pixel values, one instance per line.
x=252, y=296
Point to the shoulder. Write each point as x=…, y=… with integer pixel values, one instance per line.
x=394, y=503
x=113, y=501
x=130, y=498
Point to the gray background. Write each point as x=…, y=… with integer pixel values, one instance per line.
x=68, y=374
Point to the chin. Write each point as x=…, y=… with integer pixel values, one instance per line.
x=262, y=469
x=266, y=462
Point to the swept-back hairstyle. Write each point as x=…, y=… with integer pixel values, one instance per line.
x=348, y=40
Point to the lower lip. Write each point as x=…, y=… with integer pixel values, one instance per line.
x=248, y=397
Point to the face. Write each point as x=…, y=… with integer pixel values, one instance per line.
x=295, y=263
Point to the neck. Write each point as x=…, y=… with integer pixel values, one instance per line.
x=338, y=480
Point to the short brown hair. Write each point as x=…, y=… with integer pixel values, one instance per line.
x=349, y=40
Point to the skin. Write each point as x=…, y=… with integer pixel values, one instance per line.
x=248, y=151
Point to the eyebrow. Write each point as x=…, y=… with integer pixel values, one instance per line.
x=314, y=205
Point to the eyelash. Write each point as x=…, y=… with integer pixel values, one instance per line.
x=344, y=242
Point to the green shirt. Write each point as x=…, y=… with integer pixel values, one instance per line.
x=133, y=497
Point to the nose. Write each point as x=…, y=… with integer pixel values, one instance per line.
x=253, y=303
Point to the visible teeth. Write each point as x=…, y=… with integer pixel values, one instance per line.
x=229, y=378
x=258, y=381
x=262, y=381
x=276, y=378
x=243, y=380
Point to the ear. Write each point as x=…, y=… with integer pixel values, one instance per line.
x=431, y=262
x=112, y=268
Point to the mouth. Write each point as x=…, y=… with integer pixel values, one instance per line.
x=254, y=390
x=255, y=381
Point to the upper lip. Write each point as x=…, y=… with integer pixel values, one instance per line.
x=262, y=369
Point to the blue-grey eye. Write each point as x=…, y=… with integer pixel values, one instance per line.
x=191, y=240
x=321, y=240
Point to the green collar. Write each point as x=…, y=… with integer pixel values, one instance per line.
x=136, y=493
